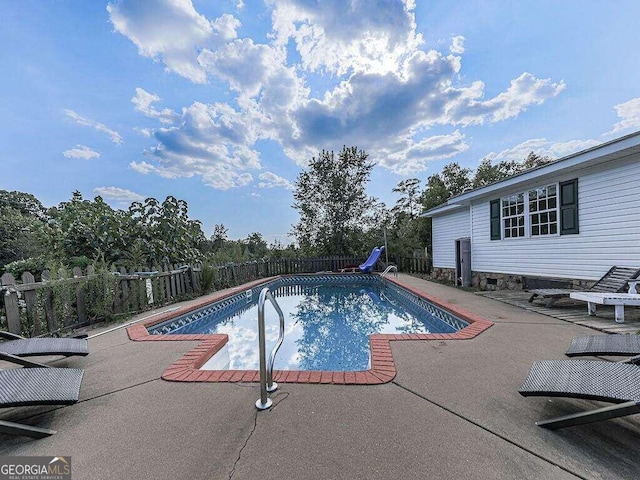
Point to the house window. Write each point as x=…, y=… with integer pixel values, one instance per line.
x=543, y=211
x=540, y=211
x=513, y=216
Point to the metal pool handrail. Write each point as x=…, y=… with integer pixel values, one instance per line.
x=388, y=269
x=266, y=368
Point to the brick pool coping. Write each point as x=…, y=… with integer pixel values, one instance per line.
x=383, y=369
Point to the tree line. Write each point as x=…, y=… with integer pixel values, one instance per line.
x=336, y=217
x=80, y=232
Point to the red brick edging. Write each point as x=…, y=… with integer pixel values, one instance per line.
x=383, y=369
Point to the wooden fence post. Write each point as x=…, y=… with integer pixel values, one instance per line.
x=174, y=289
x=195, y=278
x=66, y=294
x=158, y=284
x=122, y=292
x=49, y=311
x=81, y=307
x=167, y=283
x=11, y=305
x=31, y=300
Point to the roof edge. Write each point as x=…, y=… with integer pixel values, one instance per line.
x=567, y=162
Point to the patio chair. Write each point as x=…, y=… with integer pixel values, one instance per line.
x=617, y=344
x=614, y=281
x=614, y=382
x=27, y=347
x=33, y=386
x=617, y=300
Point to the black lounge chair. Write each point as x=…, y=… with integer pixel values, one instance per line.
x=614, y=281
x=36, y=385
x=612, y=344
x=614, y=382
x=28, y=347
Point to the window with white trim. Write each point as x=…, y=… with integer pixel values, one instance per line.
x=532, y=213
x=543, y=210
x=513, y=216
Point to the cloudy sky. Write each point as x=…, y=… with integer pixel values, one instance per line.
x=221, y=103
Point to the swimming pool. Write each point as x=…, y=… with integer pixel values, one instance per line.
x=329, y=320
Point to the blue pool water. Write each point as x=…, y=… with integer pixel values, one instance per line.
x=328, y=321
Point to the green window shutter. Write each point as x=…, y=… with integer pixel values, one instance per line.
x=494, y=207
x=569, y=207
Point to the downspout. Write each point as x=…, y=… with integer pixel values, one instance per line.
x=471, y=236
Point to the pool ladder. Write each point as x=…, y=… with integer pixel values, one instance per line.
x=266, y=367
x=388, y=269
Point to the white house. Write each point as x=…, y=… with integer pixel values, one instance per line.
x=567, y=221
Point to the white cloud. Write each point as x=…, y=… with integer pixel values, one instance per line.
x=542, y=147
x=143, y=100
x=377, y=111
x=172, y=31
x=457, y=45
x=629, y=114
x=524, y=91
x=119, y=195
x=271, y=180
x=81, y=151
x=341, y=37
x=114, y=136
x=412, y=156
x=384, y=93
x=211, y=141
x=145, y=132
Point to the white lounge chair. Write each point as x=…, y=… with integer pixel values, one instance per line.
x=615, y=280
x=618, y=300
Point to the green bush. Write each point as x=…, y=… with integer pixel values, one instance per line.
x=35, y=265
x=208, y=278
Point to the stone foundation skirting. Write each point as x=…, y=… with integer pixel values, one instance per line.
x=501, y=281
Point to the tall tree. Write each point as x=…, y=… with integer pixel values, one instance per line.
x=488, y=173
x=88, y=228
x=534, y=160
x=256, y=246
x=22, y=227
x=220, y=235
x=166, y=232
x=435, y=193
x=331, y=200
x=456, y=179
x=409, y=196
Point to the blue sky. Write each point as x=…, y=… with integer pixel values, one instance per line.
x=222, y=103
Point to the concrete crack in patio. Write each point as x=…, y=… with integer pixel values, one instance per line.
x=120, y=390
x=246, y=442
x=284, y=396
x=488, y=430
x=44, y=412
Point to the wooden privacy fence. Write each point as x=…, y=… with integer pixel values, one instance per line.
x=412, y=264
x=231, y=274
x=64, y=301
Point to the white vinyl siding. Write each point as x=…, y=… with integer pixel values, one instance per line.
x=609, y=222
x=446, y=230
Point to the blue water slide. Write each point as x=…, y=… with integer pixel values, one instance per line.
x=367, y=266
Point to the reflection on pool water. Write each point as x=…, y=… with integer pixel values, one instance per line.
x=327, y=326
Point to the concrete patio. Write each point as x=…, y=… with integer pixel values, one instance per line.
x=452, y=411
